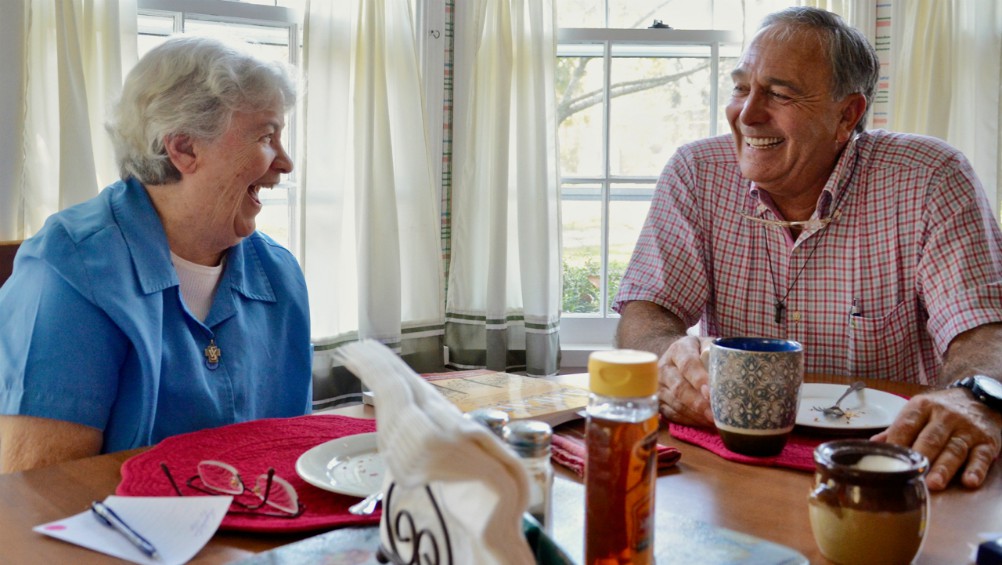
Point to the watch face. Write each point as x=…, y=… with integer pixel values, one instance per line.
x=989, y=386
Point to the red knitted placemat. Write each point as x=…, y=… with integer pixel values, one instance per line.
x=253, y=447
x=797, y=454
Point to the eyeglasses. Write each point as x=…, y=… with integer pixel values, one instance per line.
x=813, y=224
x=275, y=496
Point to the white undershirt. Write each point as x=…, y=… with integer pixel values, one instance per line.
x=198, y=284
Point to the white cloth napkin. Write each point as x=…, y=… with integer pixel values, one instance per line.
x=449, y=482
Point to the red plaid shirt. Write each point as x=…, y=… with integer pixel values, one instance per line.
x=912, y=240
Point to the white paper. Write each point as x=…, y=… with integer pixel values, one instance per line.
x=178, y=527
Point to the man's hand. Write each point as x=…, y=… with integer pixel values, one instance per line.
x=953, y=430
x=684, y=384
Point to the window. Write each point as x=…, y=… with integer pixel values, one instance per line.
x=272, y=31
x=636, y=79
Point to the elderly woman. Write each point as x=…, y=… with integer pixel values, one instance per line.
x=155, y=308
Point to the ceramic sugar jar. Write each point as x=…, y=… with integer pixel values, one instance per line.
x=869, y=503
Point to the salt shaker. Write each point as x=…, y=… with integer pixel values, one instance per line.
x=495, y=420
x=530, y=439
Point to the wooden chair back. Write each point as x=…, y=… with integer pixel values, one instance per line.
x=8, y=249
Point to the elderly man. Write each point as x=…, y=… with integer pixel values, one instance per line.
x=878, y=251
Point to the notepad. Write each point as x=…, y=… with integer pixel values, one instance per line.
x=178, y=527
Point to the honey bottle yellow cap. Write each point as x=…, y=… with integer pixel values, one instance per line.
x=623, y=373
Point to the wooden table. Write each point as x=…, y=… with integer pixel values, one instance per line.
x=766, y=502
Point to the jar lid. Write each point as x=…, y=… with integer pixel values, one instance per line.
x=529, y=438
x=623, y=373
x=492, y=418
x=865, y=461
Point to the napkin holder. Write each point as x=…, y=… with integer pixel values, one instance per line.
x=452, y=493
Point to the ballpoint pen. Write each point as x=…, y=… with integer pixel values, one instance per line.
x=109, y=518
x=854, y=312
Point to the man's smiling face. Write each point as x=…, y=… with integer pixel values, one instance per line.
x=787, y=128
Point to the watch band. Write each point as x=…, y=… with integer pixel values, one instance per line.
x=972, y=383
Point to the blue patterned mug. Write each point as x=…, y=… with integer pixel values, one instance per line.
x=754, y=392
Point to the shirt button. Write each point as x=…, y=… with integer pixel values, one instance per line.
x=796, y=316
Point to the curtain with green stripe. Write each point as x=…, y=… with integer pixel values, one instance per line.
x=503, y=300
x=374, y=242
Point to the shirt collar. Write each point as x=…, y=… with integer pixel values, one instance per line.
x=838, y=182
x=147, y=242
x=144, y=235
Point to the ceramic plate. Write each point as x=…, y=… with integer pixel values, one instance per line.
x=348, y=465
x=868, y=409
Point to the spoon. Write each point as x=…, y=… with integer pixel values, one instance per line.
x=836, y=411
x=367, y=505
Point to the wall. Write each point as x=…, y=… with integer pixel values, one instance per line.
x=11, y=107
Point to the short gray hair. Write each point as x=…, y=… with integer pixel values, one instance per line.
x=189, y=85
x=854, y=63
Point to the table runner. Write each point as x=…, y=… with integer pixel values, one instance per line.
x=252, y=447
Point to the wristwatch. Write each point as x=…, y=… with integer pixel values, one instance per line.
x=985, y=389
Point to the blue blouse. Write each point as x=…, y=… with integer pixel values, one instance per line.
x=93, y=329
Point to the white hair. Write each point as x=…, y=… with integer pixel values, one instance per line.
x=189, y=85
x=854, y=63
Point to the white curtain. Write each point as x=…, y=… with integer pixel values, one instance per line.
x=370, y=216
x=72, y=56
x=504, y=277
x=946, y=76
x=943, y=73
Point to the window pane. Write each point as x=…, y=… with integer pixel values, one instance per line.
x=658, y=104
x=267, y=42
x=628, y=207
x=580, y=95
x=152, y=31
x=581, y=215
x=274, y=217
x=727, y=64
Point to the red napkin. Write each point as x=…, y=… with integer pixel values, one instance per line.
x=568, y=449
x=253, y=447
x=797, y=454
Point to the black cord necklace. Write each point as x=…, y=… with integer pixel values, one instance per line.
x=780, y=305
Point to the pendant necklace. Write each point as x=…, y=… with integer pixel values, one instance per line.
x=212, y=354
x=779, y=306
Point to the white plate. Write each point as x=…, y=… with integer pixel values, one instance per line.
x=868, y=409
x=348, y=465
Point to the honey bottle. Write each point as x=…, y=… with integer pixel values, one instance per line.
x=620, y=471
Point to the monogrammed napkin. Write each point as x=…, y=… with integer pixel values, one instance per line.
x=451, y=487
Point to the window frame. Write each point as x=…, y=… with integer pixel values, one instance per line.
x=582, y=333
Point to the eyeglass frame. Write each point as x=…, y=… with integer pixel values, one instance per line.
x=248, y=509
